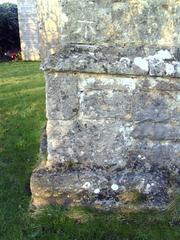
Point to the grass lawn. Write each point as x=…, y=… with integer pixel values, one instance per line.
x=22, y=118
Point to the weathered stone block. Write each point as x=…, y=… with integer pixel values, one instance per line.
x=131, y=99
x=131, y=60
x=101, y=143
x=62, y=96
x=157, y=131
x=102, y=188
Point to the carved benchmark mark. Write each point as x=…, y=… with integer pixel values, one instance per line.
x=86, y=27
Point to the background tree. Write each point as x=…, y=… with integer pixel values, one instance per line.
x=9, y=28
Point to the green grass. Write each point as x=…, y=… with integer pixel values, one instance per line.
x=22, y=118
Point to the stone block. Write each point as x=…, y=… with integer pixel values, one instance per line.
x=101, y=188
x=113, y=144
x=157, y=131
x=130, y=99
x=102, y=143
x=62, y=96
x=129, y=60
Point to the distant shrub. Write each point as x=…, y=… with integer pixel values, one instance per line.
x=9, y=28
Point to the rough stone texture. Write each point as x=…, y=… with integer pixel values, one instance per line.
x=44, y=24
x=113, y=107
x=62, y=96
x=39, y=28
x=101, y=188
x=131, y=60
x=108, y=136
x=137, y=22
x=49, y=21
x=28, y=25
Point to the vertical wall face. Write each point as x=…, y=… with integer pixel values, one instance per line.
x=113, y=97
x=150, y=22
x=48, y=15
x=39, y=27
x=29, y=33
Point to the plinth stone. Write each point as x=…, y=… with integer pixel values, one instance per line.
x=113, y=109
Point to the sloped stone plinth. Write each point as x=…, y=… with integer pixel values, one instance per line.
x=107, y=189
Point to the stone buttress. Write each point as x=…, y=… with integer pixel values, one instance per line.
x=113, y=107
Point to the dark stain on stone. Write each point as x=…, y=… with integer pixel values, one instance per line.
x=165, y=7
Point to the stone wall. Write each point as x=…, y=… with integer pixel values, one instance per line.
x=29, y=31
x=112, y=103
x=39, y=28
x=137, y=22
x=48, y=15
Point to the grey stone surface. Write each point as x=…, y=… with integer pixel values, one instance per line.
x=129, y=99
x=157, y=131
x=135, y=22
x=112, y=97
x=120, y=148
x=62, y=96
x=112, y=143
x=132, y=22
x=113, y=107
x=103, y=143
x=138, y=187
x=28, y=26
x=129, y=59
